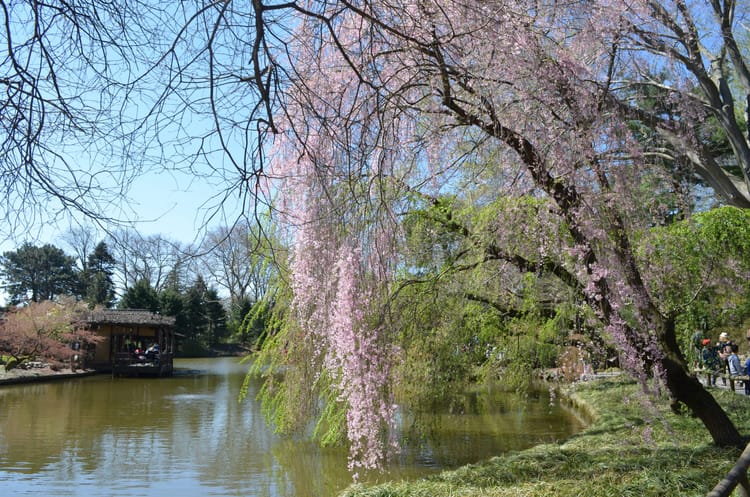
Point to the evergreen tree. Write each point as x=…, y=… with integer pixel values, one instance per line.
x=237, y=312
x=216, y=317
x=172, y=303
x=140, y=296
x=38, y=273
x=196, y=321
x=203, y=317
x=96, y=278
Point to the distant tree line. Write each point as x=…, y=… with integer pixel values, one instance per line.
x=37, y=273
x=131, y=271
x=200, y=316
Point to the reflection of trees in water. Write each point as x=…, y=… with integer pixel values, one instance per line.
x=90, y=418
x=440, y=434
x=134, y=429
x=457, y=429
x=140, y=433
x=320, y=471
x=39, y=422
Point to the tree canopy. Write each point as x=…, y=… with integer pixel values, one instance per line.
x=96, y=277
x=43, y=330
x=38, y=273
x=140, y=296
x=545, y=115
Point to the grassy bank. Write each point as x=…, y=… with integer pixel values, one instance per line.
x=631, y=448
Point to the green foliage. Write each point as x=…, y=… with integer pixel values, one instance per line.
x=526, y=346
x=238, y=309
x=216, y=317
x=450, y=344
x=98, y=288
x=257, y=322
x=172, y=303
x=140, y=296
x=293, y=392
x=699, y=269
x=38, y=273
x=10, y=362
x=291, y=401
x=440, y=343
x=715, y=137
x=463, y=315
x=629, y=448
x=432, y=236
x=191, y=347
x=295, y=398
x=330, y=428
x=199, y=316
x=196, y=321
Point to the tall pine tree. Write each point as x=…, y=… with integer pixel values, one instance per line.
x=96, y=278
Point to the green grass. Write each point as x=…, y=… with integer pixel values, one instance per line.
x=632, y=447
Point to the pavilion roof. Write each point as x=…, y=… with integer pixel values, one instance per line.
x=127, y=317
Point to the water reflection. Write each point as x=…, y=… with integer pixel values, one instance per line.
x=189, y=436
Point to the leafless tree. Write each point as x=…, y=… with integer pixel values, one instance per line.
x=83, y=95
x=81, y=239
x=152, y=258
x=236, y=259
x=60, y=82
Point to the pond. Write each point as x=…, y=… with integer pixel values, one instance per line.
x=189, y=436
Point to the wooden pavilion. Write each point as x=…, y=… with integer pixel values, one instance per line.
x=134, y=342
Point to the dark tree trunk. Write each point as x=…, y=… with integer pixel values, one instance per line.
x=685, y=388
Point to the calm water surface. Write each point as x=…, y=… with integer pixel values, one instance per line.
x=189, y=436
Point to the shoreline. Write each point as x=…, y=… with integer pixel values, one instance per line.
x=20, y=376
x=631, y=447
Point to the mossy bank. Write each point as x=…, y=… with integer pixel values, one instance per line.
x=632, y=447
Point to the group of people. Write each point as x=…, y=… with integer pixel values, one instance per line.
x=722, y=357
x=149, y=354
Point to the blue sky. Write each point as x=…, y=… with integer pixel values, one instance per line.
x=158, y=204
x=153, y=118
x=172, y=206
